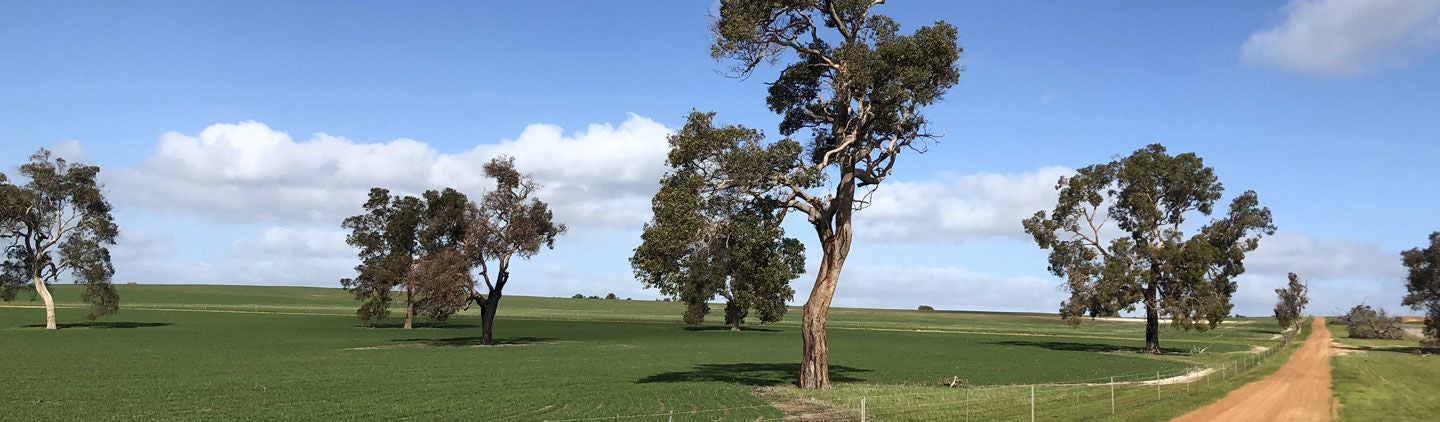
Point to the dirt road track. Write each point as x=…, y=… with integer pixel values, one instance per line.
x=1299, y=391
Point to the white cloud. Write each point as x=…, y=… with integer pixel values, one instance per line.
x=959, y=208
x=1311, y=257
x=289, y=242
x=276, y=256
x=1340, y=272
x=1339, y=38
x=248, y=172
x=135, y=245
x=72, y=151
x=905, y=287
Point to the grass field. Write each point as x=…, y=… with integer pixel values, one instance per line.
x=191, y=352
x=1384, y=380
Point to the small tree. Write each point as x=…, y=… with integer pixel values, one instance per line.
x=397, y=236
x=1149, y=195
x=1293, y=299
x=704, y=243
x=508, y=222
x=1365, y=322
x=442, y=237
x=58, y=222
x=385, y=237
x=1423, y=284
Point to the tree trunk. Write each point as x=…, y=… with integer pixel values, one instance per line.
x=487, y=318
x=409, y=308
x=49, y=303
x=732, y=314
x=815, y=360
x=489, y=306
x=835, y=245
x=1152, y=322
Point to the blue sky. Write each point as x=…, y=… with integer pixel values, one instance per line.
x=234, y=136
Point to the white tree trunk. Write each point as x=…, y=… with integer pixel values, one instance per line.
x=49, y=303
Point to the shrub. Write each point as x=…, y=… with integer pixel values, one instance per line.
x=1365, y=322
x=926, y=308
x=577, y=296
x=612, y=297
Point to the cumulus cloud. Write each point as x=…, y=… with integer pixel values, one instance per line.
x=273, y=256
x=290, y=242
x=1340, y=272
x=249, y=172
x=1339, y=38
x=72, y=151
x=959, y=208
x=1312, y=257
x=134, y=245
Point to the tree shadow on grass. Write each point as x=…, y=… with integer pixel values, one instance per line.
x=440, y=325
x=1085, y=347
x=1409, y=350
x=105, y=325
x=751, y=374
x=475, y=341
x=727, y=328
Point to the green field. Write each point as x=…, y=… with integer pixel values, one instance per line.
x=1384, y=380
x=192, y=352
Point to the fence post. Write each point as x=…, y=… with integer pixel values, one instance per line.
x=1112, y=395
x=672, y=416
x=862, y=408
x=967, y=404
x=1032, y=402
x=1157, y=385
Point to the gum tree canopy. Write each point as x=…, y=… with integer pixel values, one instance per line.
x=508, y=222
x=397, y=238
x=703, y=243
x=856, y=90
x=56, y=222
x=1149, y=196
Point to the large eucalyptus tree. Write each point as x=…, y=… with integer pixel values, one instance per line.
x=855, y=91
x=508, y=222
x=1149, y=197
x=57, y=222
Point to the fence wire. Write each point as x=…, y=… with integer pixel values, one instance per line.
x=1090, y=398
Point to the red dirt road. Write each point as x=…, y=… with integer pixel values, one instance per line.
x=1299, y=391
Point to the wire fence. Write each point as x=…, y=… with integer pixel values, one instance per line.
x=1088, y=399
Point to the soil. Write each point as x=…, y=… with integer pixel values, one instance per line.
x=805, y=410
x=1299, y=391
